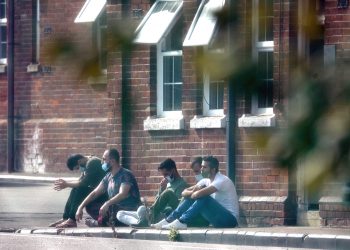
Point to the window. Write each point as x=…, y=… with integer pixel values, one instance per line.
x=101, y=40
x=169, y=73
x=263, y=46
x=94, y=11
x=3, y=32
x=204, y=23
x=158, y=21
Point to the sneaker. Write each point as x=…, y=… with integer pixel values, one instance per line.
x=90, y=222
x=160, y=224
x=176, y=224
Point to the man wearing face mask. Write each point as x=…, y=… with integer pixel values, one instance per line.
x=91, y=175
x=121, y=186
x=213, y=197
x=167, y=199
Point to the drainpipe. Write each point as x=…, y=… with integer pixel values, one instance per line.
x=10, y=88
x=231, y=111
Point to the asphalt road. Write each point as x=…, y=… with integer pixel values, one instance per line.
x=24, y=205
x=44, y=242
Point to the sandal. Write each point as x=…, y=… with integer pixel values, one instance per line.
x=56, y=223
x=67, y=224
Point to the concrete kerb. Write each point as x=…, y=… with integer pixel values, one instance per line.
x=210, y=236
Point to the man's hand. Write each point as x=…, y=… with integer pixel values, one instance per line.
x=60, y=184
x=163, y=183
x=79, y=214
x=194, y=195
x=104, y=209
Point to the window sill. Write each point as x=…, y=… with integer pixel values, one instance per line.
x=156, y=123
x=256, y=121
x=98, y=80
x=3, y=68
x=33, y=67
x=208, y=122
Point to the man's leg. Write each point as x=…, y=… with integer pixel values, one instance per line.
x=78, y=194
x=128, y=217
x=93, y=208
x=182, y=208
x=165, y=199
x=211, y=210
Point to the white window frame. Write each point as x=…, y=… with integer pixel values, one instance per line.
x=160, y=83
x=99, y=45
x=259, y=46
x=204, y=23
x=152, y=28
x=3, y=22
x=90, y=11
x=206, y=89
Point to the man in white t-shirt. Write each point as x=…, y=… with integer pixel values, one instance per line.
x=214, y=198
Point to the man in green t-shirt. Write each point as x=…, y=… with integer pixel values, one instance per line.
x=91, y=175
x=167, y=199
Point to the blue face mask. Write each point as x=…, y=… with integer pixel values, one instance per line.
x=82, y=169
x=106, y=166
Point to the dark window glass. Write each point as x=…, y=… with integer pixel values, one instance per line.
x=216, y=95
x=2, y=8
x=265, y=91
x=265, y=20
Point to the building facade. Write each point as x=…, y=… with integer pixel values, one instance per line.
x=152, y=101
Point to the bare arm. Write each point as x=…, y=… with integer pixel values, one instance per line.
x=62, y=184
x=123, y=193
x=203, y=192
x=92, y=196
x=189, y=191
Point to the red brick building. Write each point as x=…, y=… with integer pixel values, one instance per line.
x=153, y=103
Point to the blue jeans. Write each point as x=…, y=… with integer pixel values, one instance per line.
x=209, y=208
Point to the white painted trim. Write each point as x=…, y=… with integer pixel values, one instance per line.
x=256, y=121
x=160, y=107
x=156, y=123
x=203, y=25
x=158, y=29
x=199, y=122
x=90, y=11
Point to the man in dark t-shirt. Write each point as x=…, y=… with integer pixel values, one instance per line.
x=91, y=175
x=120, y=185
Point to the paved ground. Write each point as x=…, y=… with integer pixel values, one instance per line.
x=40, y=242
x=30, y=204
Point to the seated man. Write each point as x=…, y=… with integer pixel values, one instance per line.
x=121, y=186
x=91, y=176
x=214, y=198
x=166, y=201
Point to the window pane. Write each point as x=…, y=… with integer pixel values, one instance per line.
x=177, y=69
x=168, y=97
x=173, y=40
x=172, y=88
x=265, y=20
x=3, y=40
x=2, y=9
x=168, y=69
x=216, y=95
x=177, y=96
x=265, y=74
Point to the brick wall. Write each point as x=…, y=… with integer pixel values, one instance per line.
x=57, y=112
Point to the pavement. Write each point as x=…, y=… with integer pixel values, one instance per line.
x=282, y=236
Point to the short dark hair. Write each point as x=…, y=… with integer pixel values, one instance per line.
x=213, y=162
x=114, y=154
x=72, y=160
x=168, y=164
x=197, y=160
